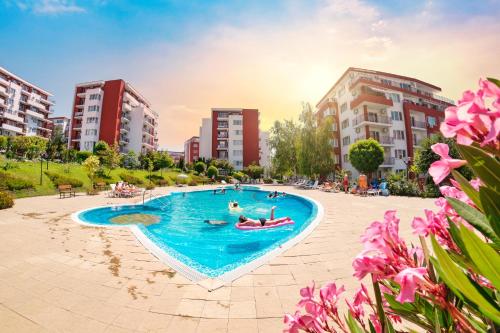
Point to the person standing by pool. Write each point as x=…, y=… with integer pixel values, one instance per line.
x=346, y=183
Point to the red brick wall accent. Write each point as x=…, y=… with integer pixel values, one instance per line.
x=111, y=112
x=250, y=136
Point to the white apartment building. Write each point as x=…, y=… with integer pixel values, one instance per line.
x=24, y=107
x=396, y=110
x=112, y=111
x=205, y=140
x=265, y=153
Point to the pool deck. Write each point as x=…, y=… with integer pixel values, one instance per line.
x=60, y=276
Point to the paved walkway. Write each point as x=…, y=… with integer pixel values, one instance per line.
x=57, y=275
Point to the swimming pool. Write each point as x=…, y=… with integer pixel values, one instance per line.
x=177, y=233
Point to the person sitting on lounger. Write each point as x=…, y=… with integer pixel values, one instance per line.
x=245, y=221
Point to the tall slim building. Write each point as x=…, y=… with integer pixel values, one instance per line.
x=395, y=110
x=63, y=123
x=112, y=111
x=192, y=149
x=24, y=107
x=233, y=135
x=264, y=151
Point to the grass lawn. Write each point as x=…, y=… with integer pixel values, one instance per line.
x=31, y=171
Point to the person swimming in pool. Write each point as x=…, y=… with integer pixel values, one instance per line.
x=233, y=205
x=245, y=221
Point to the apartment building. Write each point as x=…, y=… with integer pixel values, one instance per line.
x=395, y=110
x=233, y=135
x=264, y=151
x=63, y=123
x=112, y=111
x=177, y=156
x=192, y=149
x=24, y=107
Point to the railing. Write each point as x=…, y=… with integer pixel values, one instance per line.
x=389, y=161
x=418, y=124
x=222, y=147
x=373, y=119
x=370, y=98
x=78, y=114
x=385, y=140
x=125, y=127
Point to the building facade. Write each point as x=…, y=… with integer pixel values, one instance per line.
x=112, y=111
x=177, y=156
x=265, y=153
x=63, y=123
x=24, y=107
x=192, y=149
x=231, y=134
x=395, y=110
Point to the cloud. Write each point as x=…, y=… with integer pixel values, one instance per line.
x=50, y=7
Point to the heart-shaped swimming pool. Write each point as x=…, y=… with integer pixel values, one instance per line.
x=174, y=228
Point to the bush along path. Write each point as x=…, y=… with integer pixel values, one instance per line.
x=450, y=283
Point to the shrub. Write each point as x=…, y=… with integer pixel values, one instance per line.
x=14, y=183
x=212, y=171
x=399, y=185
x=150, y=186
x=6, y=200
x=82, y=156
x=239, y=175
x=200, y=167
x=268, y=180
x=58, y=179
x=366, y=155
x=154, y=177
x=192, y=182
x=131, y=179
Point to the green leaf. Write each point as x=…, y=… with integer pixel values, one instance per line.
x=353, y=324
x=455, y=235
x=437, y=324
x=490, y=200
x=474, y=217
x=484, y=257
x=495, y=81
x=467, y=188
x=483, y=165
x=458, y=282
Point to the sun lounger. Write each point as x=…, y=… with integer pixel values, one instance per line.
x=313, y=186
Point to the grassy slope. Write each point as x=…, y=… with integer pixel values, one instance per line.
x=31, y=171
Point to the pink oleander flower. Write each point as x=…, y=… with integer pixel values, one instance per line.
x=409, y=279
x=330, y=293
x=299, y=322
x=364, y=265
x=376, y=323
x=439, y=170
x=357, y=306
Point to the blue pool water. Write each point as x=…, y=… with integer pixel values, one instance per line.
x=213, y=249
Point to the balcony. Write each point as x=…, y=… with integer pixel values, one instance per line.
x=418, y=125
x=13, y=117
x=327, y=103
x=3, y=92
x=126, y=117
x=124, y=128
x=388, y=161
x=124, y=141
x=223, y=125
x=372, y=119
x=79, y=114
x=383, y=140
x=77, y=138
x=149, y=123
x=222, y=147
x=35, y=114
x=13, y=128
x=371, y=99
x=127, y=107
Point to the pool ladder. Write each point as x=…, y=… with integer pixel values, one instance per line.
x=151, y=196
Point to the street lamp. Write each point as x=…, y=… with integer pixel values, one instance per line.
x=42, y=156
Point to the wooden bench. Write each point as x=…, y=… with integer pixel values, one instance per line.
x=66, y=191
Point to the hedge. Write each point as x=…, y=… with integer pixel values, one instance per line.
x=13, y=183
x=58, y=179
x=131, y=179
x=6, y=200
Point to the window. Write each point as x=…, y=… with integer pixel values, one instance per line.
x=237, y=122
x=341, y=92
x=387, y=82
x=237, y=142
x=395, y=97
x=396, y=115
x=95, y=97
x=238, y=163
x=405, y=86
x=398, y=134
x=90, y=132
x=93, y=108
x=11, y=91
x=334, y=127
x=238, y=152
x=343, y=108
x=238, y=132
x=92, y=120
x=431, y=121
x=336, y=159
x=334, y=143
x=345, y=123
x=399, y=153
x=89, y=145
x=346, y=140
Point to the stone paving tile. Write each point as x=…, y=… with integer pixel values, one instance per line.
x=60, y=277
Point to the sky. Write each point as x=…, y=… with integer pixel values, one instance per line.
x=186, y=56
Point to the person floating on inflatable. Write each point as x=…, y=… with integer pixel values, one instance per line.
x=233, y=205
x=245, y=223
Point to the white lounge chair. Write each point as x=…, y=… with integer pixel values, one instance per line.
x=313, y=186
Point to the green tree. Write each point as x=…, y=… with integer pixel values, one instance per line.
x=4, y=141
x=200, y=167
x=162, y=160
x=56, y=144
x=325, y=163
x=283, y=140
x=92, y=165
x=130, y=160
x=81, y=156
x=223, y=164
x=307, y=142
x=254, y=171
x=212, y=172
x=101, y=149
x=366, y=155
x=111, y=157
x=30, y=147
